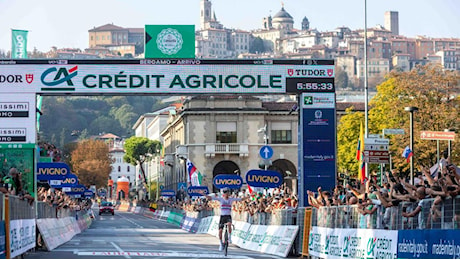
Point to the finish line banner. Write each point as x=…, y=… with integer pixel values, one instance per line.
x=86, y=77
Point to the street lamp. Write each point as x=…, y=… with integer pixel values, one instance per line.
x=411, y=110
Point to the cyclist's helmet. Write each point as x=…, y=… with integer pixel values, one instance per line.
x=225, y=190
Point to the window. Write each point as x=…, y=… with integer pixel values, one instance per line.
x=281, y=133
x=281, y=137
x=226, y=132
x=119, y=168
x=127, y=168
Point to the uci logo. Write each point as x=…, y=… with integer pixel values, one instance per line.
x=62, y=75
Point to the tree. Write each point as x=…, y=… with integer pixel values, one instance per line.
x=347, y=138
x=140, y=150
x=91, y=162
x=429, y=88
x=257, y=46
x=432, y=90
x=341, y=78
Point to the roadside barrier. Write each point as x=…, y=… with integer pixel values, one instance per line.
x=342, y=232
x=273, y=239
x=21, y=219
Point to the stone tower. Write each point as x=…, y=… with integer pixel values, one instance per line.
x=206, y=14
x=305, y=24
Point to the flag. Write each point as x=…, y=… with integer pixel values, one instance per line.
x=359, y=150
x=249, y=189
x=39, y=108
x=407, y=153
x=19, y=44
x=194, y=175
x=360, y=154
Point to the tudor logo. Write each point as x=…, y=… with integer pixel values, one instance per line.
x=290, y=72
x=29, y=78
x=330, y=72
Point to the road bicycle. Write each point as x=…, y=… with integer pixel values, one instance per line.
x=226, y=235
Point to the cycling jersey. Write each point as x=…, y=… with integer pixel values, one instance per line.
x=226, y=205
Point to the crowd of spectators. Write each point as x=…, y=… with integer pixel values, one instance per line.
x=265, y=201
x=12, y=184
x=58, y=199
x=429, y=191
x=50, y=150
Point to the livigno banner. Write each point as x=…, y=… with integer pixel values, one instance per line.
x=169, y=41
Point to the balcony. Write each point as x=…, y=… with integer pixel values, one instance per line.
x=241, y=149
x=169, y=159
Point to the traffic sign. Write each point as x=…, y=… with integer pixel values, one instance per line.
x=266, y=152
x=376, y=141
x=375, y=147
x=437, y=135
x=393, y=131
x=377, y=157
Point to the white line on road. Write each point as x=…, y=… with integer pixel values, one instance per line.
x=162, y=254
x=129, y=220
x=119, y=250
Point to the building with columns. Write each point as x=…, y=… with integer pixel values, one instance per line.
x=222, y=134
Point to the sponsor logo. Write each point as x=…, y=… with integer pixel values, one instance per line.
x=318, y=114
x=11, y=79
x=319, y=119
x=311, y=72
x=169, y=41
x=29, y=78
x=61, y=75
x=308, y=100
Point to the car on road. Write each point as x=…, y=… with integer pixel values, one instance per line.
x=106, y=207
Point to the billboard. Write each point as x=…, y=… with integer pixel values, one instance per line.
x=17, y=116
x=21, y=157
x=169, y=41
x=161, y=76
x=318, y=148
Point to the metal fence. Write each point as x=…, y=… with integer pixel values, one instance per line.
x=19, y=208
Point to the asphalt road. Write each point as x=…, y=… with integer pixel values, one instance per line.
x=128, y=235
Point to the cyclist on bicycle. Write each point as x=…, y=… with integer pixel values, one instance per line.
x=225, y=214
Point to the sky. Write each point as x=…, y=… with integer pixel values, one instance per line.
x=65, y=24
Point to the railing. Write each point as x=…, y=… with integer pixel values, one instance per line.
x=212, y=149
x=45, y=210
x=278, y=217
x=20, y=208
x=446, y=215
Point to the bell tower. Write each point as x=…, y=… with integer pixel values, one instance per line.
x=205, y=16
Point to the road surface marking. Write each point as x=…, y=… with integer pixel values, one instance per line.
x=120, y=250
x=129, y=220
x=162, y=254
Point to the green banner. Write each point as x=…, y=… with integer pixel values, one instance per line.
x=19, y=44
x=169, y=41
x=23, y=160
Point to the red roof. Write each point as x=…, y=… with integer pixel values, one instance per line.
x=109, y=136
x=107, y=27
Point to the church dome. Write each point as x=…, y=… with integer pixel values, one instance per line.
x=282, y=14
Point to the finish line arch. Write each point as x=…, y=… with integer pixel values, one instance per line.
x=312, y=80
